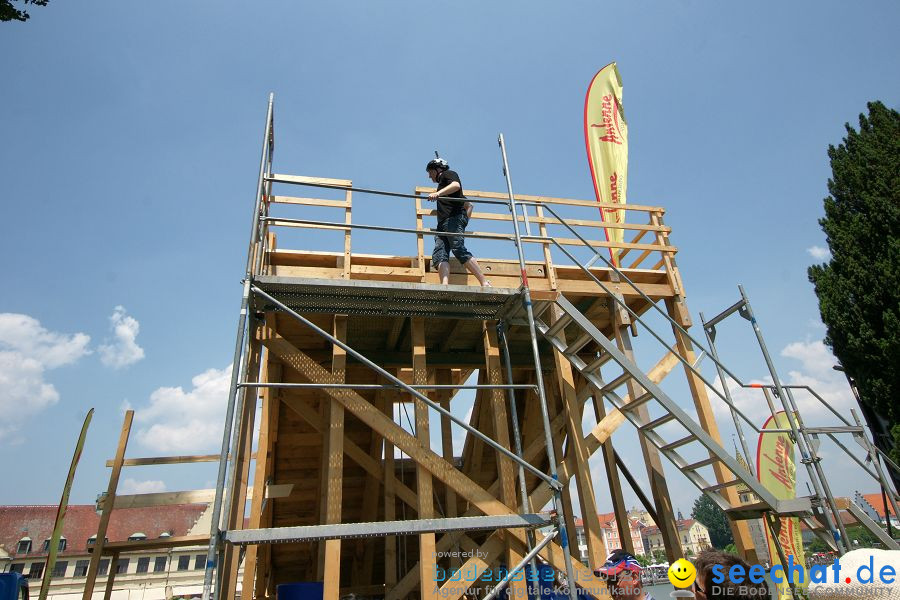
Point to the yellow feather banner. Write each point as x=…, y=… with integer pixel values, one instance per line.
x=606, y=139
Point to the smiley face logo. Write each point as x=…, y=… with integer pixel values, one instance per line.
x=682, y=573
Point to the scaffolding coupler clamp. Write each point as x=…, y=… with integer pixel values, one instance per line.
x=554, y=518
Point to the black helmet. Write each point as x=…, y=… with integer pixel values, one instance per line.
x=438, y=164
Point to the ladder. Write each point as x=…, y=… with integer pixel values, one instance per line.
x=574, y=325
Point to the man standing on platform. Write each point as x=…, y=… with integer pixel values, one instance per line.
x=453, y=215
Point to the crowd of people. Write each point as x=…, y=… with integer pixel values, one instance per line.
x=622, y=573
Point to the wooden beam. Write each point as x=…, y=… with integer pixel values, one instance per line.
x=265, y=582
x=655, y=472
x=175, y=541
x=424, y=456
x=108, y=504
x=347, y=256
x=445, y=377
x=542, y=494
x=364, y=553
x=228, y=570
x=167, y=460
x=263, y=460
x=357, y=454
x=615, y=485
x=390, y=503
x=424, y=485
x=334, y=474
x=111, y=576
x=565, y=380
x=556, y=409
x=505, y=466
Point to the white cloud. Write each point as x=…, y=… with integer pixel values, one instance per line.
x=176, y=420
x=123, y=350
x=819, y=253
x=27, y=350
x=133, y=486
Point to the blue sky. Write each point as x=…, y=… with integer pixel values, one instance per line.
x=129, y=144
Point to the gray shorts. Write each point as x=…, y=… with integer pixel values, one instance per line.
x=445, y=244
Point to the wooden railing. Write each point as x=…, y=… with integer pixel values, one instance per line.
x=645, y=244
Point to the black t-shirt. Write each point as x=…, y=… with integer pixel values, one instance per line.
x=446, y=207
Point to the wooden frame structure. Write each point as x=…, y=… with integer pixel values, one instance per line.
x=335, y=348
x=344, y=451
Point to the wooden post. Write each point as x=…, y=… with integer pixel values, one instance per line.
x=555, y=408
x=740, y=529
x=615, y=485
x=260, y=478
x=349, y=199
x=240, y=474
x=108, y=502
x=565, y=380
x=334, y=474
x=548, y=259
x=427, y=579
x=655, y=472
x=420, y=238
x=444, y=377
x=264, y=585
x=505, y=466
x=111, y=575
x=363, y=554
x=390, y=503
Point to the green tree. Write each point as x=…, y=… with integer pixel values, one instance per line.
x=709, y=514
x=861, y=537
x=731, y=549
x=8, y=11
x=859, y=288
x=817, y=545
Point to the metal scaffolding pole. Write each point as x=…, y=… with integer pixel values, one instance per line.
x=807, y=457
x=710, y=330
x=517, y=436
x=214, y=532
x=548, y=436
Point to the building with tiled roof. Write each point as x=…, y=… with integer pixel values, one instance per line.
x=693, y=536
x=610, y=533
x=25, y=538
x=873, y=505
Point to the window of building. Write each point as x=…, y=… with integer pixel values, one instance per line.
x=136, y=537
x=81, y=568
x=45, y=547
x=122, y=565
x=37, y=570
x=24, y=546
x=59, y=569
x=199, y=561
x=17, y=568
x=143, y=565
x=184, y=562
x=159, y=565
x=103, y=567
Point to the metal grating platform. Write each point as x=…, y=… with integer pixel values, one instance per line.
x=381, y=298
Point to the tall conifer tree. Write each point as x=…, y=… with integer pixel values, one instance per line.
x=859, y=287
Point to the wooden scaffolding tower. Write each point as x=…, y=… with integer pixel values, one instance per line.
x=331, y=429
x=356, y=361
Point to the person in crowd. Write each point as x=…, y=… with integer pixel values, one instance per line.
x=622, y=573
x=705, y=589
